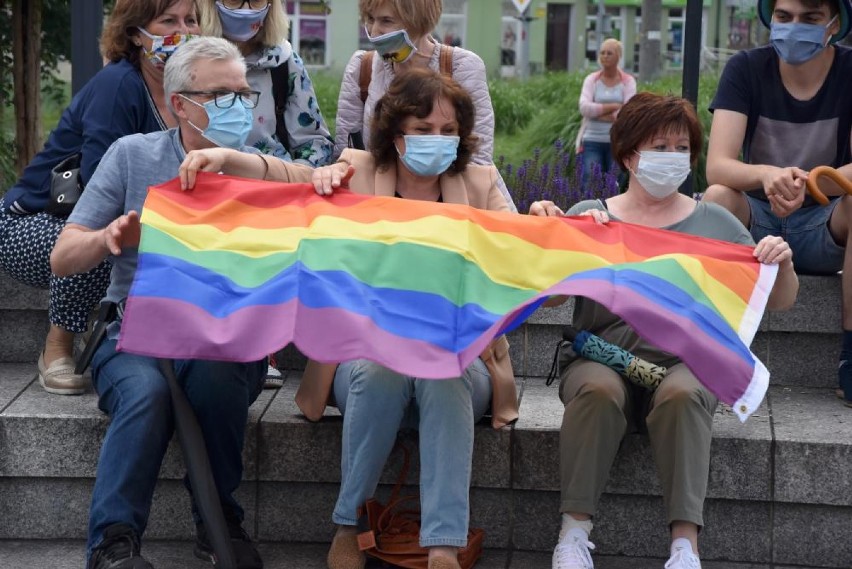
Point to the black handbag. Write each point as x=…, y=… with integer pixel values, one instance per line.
x=65, y=186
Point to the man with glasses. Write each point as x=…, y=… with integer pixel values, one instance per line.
x=206, y=89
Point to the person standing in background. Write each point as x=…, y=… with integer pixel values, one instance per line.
x=400, y=32
x=604, y=93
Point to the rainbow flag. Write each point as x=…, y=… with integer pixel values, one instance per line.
x=236, y=269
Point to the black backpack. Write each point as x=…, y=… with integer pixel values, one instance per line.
x=280, y=94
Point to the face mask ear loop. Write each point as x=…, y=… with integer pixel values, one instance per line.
x=827, y=26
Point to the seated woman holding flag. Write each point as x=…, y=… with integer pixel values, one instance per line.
x=657, y=140
x=422, y=144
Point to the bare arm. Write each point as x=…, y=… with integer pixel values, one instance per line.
x=723, y=150
x=784, y=187
x=773, y=250
x=243, y=164
x=79, y=249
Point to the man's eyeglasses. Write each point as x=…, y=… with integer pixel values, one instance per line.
x=237, y=4
x=226, y=99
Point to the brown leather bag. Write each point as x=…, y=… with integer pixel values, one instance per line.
x=392, y=532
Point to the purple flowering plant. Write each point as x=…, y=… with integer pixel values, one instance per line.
x=559, y=178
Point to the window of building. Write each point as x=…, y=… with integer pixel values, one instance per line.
x=451, y=27
x=309, y=31
x=613, y=25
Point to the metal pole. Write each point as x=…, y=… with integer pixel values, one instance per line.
x=86, y=20
x=522, y=59
x=692, y=50
x=691, y=64
x=599, y=26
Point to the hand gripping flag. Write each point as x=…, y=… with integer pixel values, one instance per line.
x=235, y=269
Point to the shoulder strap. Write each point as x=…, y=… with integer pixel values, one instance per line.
x=280, y=93
x=446, y=61
x=366, y=74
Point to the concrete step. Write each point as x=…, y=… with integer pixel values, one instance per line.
x=800, y=347
x=779, y=490
x=68, y=554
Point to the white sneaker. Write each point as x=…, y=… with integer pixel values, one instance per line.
x=683, y=558
x=573, y=552
x=273, y=379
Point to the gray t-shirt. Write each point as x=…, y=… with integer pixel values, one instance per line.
x=598, y=130
x=707, y=220
x=119, y=185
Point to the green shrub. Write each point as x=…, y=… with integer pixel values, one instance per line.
x=537, y=123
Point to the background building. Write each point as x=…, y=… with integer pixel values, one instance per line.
x=562, y=32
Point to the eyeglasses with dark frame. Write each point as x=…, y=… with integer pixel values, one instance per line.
x=238, y=4
x=226, y=99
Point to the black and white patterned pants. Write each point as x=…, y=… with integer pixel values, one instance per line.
x=25, y=245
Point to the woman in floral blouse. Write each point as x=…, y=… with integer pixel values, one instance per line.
x=259, y=29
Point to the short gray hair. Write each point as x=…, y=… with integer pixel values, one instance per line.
x=178, y=75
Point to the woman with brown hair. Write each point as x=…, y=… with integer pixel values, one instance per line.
x=421, y=150
x=400, y=32
x=657, y=140
x=125, y=97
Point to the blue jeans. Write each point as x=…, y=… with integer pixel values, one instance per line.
x=135, y=395
x=806, y=231
x=596, y=153
x=375, y=403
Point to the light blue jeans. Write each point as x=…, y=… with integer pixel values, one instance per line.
x=376, y=402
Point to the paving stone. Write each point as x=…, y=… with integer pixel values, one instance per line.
x=541, y=345
x=817, y=307
x=554, y=315
x=58, y=508
x=534, y=560
x=813, y=458
x=22, y=334
x=808, y=360
x=813, y=535
x=15, y=295
x=312, y=452
x=636, y=526
x=42, y=434
x=740, y=453
x=14, y=379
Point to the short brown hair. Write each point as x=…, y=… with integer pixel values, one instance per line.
x=647, y=115
x=413, y=93
x=419, y=17
x=126, y=16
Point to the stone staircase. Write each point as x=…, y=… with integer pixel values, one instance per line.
x=780, y=491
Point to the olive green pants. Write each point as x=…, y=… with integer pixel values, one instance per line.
x=600, y=406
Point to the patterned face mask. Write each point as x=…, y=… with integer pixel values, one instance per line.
x=393, y=46
x=163, y=46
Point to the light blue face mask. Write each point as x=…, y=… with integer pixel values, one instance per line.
x=796, y=42
x=394, y=46
x=241, y=24
x=429, y=154
x=227, y=128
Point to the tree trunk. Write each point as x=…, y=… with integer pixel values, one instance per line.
x=26, y=75
x=650, y=42
x=5, y=72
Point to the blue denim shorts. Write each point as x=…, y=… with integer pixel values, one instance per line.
x=806, y=230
